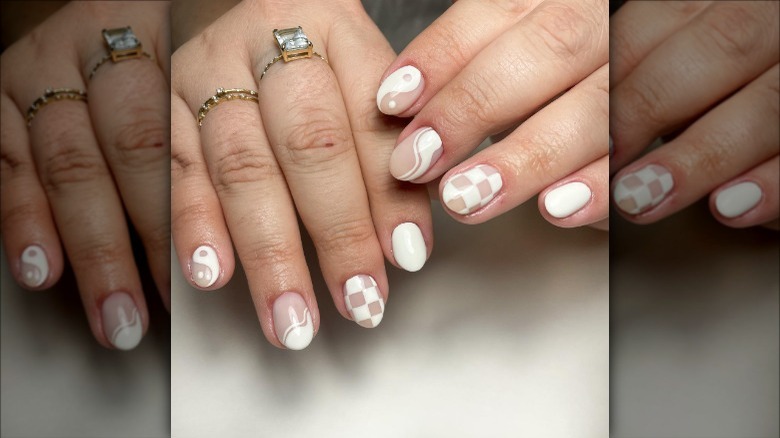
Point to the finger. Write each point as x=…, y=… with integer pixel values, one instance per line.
x=313, y=144
x=581, y=198
x=538, y=61
x=724, y=47
x=401, y=213
x=29, y=235
x=132, y=125
x=631, y=39
x=722, y=144
x=752, y=198
x=436, y=56
x=565, y=136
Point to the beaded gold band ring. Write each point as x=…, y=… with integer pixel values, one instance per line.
x=224, y=95
x=293, y=44
x=122, y=45
x=53, y=95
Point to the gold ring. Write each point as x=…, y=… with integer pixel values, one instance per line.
x=122, y=45
x=223, y=95
x=294, y=44
x=53, y=95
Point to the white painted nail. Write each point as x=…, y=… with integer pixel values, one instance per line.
x=204, y=266
x=35, y=266
x=738, y=199
x=567, y=199
x=363, y=300
x=471, y=190
x=121, y=321
x=292, y=321
x=400, y=90
x=409, y=246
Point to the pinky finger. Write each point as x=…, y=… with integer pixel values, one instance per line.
x=750, y=199
x=581, y=198
x=31, y=242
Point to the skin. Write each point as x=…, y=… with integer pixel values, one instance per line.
x=68, y=180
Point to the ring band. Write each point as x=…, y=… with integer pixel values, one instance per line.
x=53, y=95
x=293, y=44
x=122, y=45
x=224, y=95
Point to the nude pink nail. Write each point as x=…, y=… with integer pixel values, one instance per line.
x=292, y=321
x=121, y=321
x=416, y=154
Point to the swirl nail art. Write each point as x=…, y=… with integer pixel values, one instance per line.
x=400, y=90
x=34, y=266
x=292, y=321
x=416, y=154
x=204, y=266
x=121, y=321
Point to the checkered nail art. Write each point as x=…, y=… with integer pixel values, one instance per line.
x=363, y=300
x=642, y=190
x=471, y=190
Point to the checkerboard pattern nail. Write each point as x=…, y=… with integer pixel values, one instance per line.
x=363, y=300
x=471, y=190
x=642, y=190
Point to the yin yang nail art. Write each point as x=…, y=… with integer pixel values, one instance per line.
x=34, y=266
x=204, y=266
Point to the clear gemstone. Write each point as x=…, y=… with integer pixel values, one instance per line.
x=121, y=38
x=292, y=39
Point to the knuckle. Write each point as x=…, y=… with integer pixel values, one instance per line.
x=19, y=214
x=184, y=164
x=733, y=28
x=141, y=142
x=345, y=233
x=542, y=154
x=513, y=8
x=271, y=252
x=709, y=155
x=562, y=29
x=472, y=102
x=12, y=164
x=195, y=210
x=448, y=49
x=242, y=164
x=98, y=251
x=314, y=138
x=639, y=102
x=69, y=163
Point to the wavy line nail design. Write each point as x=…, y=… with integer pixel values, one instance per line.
x=121, y=321
x=400, y=90
x=416, y=154
x=292, y=321
x=34, y=266
x=204, y=267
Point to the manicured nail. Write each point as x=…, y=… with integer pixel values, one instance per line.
x=738, y=199
x=409, y=246
x=611, y=147
x=567, y=199
x=35, y=266
x=471, y=190
x=416, y=154
x=292, y=321
x=642, y=190
x=121, y=321
x=363, y=300
x=204, y=267
x=400, y=90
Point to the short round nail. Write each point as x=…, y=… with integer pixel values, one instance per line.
x=409, y=248
x=565, y=200
x=292, y=321
x=468, y=191
x=363, y=300
x=34, y=266
x=416, y=154
x=204, y=266
x=121, y=321
x=738, y=199
x=643, y=189
x=400, y=90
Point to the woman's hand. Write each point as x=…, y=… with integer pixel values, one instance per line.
x=314, y=144
x=73, y=173
x=536, y=71
x=710, y=71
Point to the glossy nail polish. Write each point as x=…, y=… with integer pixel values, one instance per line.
x=204, y=266
x=292, y=321
x=121, y=321
x=738, y=199
x=409, y=247
x=34, y=266
x=416, y=154
x=471, y=190
x=363, y=300
x=400, y=90
x=643, y=189
x=565, y=200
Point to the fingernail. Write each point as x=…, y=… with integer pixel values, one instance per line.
x=409, y=246
x=35, y=266
x=416, y=154
x=292, y=321
x=400, y=90
x=471, y=190
x=363, y=300
x=567, y=199
x=642, y=190
x=204, y=267
x=611, y=147
x=121, y=321
x=738, y=199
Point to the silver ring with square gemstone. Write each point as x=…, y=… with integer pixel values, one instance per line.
x=122, y=45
